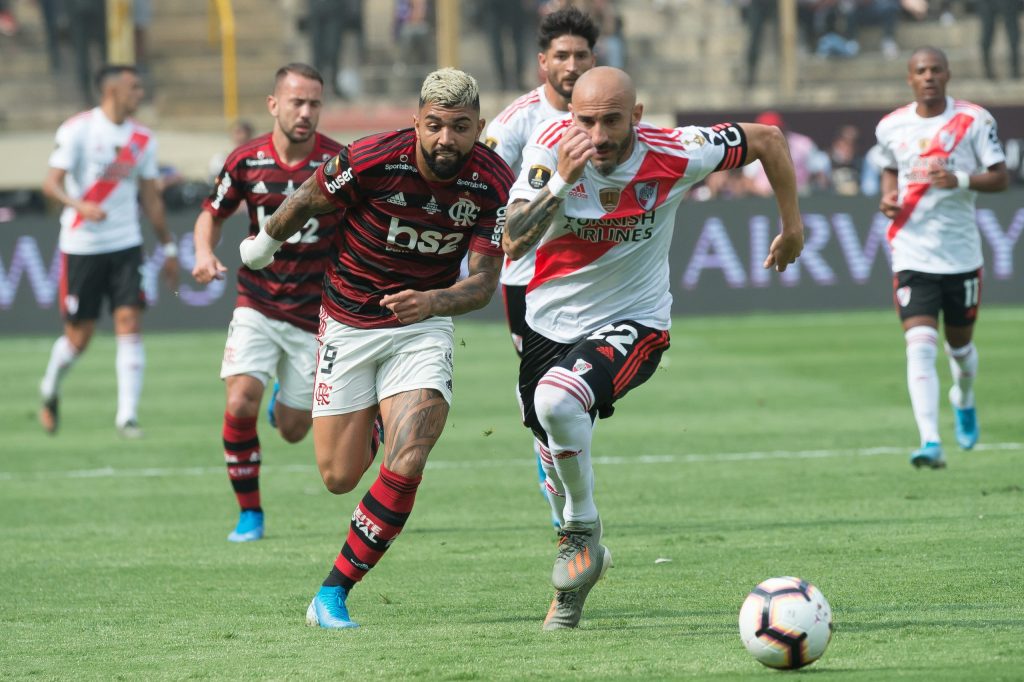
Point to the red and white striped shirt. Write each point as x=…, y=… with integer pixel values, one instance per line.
x=605, y=256
x=103, y=161
x=935, y=231
x=508, y=134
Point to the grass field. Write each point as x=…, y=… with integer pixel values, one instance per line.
x=766, y=445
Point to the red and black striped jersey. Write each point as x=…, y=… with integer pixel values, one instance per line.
x=291, y=287
x=400, y=231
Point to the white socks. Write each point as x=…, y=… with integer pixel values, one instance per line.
x=553, y=488
x=923, y=380
x=563, y=403
x=131, y=361
x=963, y=364
x=62, y=356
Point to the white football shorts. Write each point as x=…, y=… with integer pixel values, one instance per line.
x=357, y=368
x=262, y=348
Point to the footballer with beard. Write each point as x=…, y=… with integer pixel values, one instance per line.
x=413, y=202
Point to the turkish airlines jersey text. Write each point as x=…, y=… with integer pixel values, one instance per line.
x=508, y=134
x=605, y=256
x=935, y=231
x=103, y=162
x=399, y=231
x=291, y=287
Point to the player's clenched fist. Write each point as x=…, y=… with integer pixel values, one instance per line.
x=574, y=150
x=208, y=268
x=408, y=306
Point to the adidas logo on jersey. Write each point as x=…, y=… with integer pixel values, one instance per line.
x=397, y=199
x=260, y=188
x=578, y=192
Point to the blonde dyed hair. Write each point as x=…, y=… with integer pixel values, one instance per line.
x=449, y=87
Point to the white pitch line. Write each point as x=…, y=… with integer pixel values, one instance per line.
x=160, y=472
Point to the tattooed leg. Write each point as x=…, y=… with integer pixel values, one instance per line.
x=413, y=422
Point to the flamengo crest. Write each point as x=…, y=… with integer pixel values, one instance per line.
x=464, y=212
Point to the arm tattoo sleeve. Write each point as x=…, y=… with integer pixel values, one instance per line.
x=527, y=221
x=306, y=202
x=472, y=293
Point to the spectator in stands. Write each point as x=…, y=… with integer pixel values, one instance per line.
x=871, y=172
x=413, y=32
x=142, y=17
x=51, y=23
x=241, y=132
x=809, y=162
x=88, y=22
x=1009, y=11
x=508, y=24
x=845, y=162
x=8, y=24
x=329, y=21
x=757, y=14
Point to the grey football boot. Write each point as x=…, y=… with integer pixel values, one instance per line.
x=580, y=555
x=567, y=607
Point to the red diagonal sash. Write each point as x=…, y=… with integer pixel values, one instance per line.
x=126, y=158
x=955, y=128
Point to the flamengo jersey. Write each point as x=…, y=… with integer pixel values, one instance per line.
x=103, y=163
x=398, y=231
x=508, y=134
x=605, y=256
x=935, y=231
x=290, y=288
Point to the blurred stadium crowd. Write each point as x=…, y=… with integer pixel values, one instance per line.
x=377, y=52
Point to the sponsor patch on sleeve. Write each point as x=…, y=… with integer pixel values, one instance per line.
x=539, y=176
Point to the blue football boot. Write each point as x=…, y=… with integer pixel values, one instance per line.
x=327, y=610
x=928, y=455
x=271, y=417
x=965, y=423
x=555, y=521
x=249, y=528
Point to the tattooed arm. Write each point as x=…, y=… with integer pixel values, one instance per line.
x=527, y=221
x=470, y=294
x=307, y=201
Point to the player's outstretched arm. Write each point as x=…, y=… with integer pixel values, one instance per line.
x=307, y=201
x=472, y=293
x=768, y=145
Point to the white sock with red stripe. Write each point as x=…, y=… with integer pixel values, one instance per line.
x=131, y=361
x=923, y=380
x=62, y=356
x=563, y=402
x=554, y=489
x=963, y=363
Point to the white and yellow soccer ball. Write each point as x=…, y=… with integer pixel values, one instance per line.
x=786, y=623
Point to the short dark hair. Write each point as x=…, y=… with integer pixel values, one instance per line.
x=108, y=71
x=932, y=50
x=567, y=21
x=299, y=69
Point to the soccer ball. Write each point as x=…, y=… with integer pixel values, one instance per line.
x=786, y=623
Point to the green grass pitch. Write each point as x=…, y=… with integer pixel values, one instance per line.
x=765, y=445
